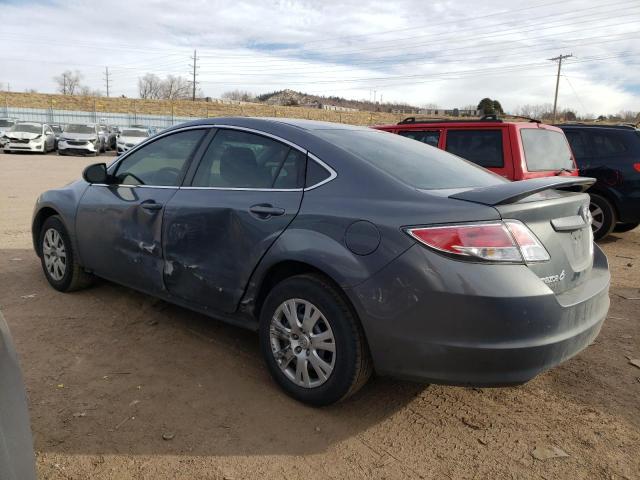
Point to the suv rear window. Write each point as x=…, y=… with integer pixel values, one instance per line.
x=411, y=162
x=430, y=137
x=482, y=147
x=545, y=150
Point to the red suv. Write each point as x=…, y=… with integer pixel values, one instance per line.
x=515, y=150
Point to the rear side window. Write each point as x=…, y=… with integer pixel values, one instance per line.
x=429, y=137
x=413, y=163
x=482, y=147
x=545, y=150
x=577, y=143
x=607, y=144
x=237, y=159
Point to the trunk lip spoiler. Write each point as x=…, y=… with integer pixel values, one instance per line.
x=505, y=193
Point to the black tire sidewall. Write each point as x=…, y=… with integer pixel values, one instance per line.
x=55, y=223
x=339, y=317
x=609, y=216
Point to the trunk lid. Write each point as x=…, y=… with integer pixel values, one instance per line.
x=560, y=220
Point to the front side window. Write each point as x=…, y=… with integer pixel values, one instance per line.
x=160, y=163
x=482, y=147
x=237, y=159
x=545, y=150
x=428, y=137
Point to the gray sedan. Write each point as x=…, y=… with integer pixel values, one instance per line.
x=349, y=250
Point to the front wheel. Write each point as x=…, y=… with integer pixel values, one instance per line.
x=603, y=214
x=312, y=342
x=56, y=255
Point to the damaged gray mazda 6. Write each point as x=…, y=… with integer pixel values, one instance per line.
x=349, y=250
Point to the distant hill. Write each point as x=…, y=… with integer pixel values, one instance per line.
x=292, y=98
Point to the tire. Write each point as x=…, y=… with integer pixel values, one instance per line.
x=67, y=276
x=350, y=361
x=625, y=227
x=604, y=216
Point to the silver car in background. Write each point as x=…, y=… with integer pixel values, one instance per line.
x=80, y=139
x=130, y=137
x=29, y=137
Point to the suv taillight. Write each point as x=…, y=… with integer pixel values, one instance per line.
x=508, y=241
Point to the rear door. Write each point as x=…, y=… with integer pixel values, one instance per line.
x=243, y=194
x=487, y=147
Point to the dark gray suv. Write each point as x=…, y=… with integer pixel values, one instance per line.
x=349, y=249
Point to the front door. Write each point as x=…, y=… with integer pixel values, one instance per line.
x=243, y=195
x=119, y=226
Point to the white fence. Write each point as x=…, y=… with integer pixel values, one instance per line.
x=53, y=116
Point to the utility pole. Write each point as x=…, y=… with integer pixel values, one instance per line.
x=195, y=67
x=106, y=78
x=558, y=59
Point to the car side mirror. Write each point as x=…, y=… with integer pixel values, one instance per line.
x=96, y=173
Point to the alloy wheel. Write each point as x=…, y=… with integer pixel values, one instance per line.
x=597, y=217
x=55, y=254
x=302, y=343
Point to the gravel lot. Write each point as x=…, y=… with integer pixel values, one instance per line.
x=109, y=372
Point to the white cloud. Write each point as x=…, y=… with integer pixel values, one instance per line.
x=444, y=52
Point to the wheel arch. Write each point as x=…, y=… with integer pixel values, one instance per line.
x=39, y=218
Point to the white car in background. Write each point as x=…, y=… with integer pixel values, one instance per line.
x=130, y=137
x=80, y=139
x=5, y=125
x=29, y=137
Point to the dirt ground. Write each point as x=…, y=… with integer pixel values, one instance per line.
x=109, y=372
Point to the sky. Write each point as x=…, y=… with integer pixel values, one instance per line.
x=447, y=53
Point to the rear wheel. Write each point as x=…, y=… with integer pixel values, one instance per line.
x=625, y=227
x=312, y=342
x=604, y=216
x=57, y=258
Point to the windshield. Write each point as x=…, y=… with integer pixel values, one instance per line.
x=56, y=128
x=80, y=129
x=6, y=123
x=27, y=127
x=545, y=150
x=134, y=133
x=413, y=163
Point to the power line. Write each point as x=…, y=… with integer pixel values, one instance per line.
x=558, y=59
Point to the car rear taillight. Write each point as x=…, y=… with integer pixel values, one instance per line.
x=509, y=241
x=636, y=167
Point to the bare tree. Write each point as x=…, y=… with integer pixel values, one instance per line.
x=68, y=82
x=150, y=86
x=175, y=88
x=239, y=95
x=89, y=92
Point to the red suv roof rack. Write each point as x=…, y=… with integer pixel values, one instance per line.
x=486, y=118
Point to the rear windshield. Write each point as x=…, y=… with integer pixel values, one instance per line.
x=76, y=128
x=411, y=162
x=545, y=150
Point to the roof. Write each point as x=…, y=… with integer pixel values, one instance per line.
x=591, y=125
x=302, y=124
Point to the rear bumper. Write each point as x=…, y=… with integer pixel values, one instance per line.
x=474, y=324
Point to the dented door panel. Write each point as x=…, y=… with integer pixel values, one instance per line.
x=119, y=234
x=213, y=241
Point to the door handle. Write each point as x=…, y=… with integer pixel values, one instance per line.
x=266, y=210
x=151, y=205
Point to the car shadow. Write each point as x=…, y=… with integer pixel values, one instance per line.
x=111, y=370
